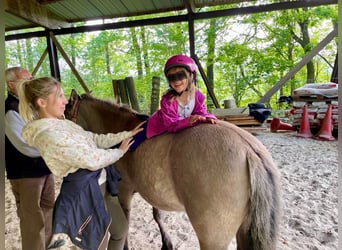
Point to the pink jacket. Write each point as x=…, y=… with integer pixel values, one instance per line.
x=166, y=118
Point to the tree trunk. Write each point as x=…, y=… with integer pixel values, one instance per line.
x=19, y=54
x=306, y=45
x=210, y=60
x=136, y=52
x=73, y=50
x=155, y=94
x=144, y=46
x=107, y=60
x=29, y=58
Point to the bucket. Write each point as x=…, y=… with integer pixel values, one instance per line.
x=229, y=103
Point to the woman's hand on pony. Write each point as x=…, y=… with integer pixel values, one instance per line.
x=138, y=128
x=125, y=144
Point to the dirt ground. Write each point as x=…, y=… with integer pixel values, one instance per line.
x=309, y=178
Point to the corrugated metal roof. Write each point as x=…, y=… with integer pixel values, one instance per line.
x=14, y=21
x=22, y=14
x=54, y=14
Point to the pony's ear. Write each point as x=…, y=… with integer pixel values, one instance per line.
x=73, y=96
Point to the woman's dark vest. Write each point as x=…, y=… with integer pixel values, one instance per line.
x=19, y=165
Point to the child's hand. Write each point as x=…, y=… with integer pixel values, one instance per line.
x=199, y=118
x=137, y=129
x=125, y=144
x=211, y=120
x=196, y=118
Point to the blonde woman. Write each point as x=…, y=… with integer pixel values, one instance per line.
x=80, y=157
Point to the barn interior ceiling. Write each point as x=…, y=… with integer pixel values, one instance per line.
x=59, y=14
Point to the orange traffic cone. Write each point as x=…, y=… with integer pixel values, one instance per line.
x=304, y=129
x=276, y=125
x=326, y=127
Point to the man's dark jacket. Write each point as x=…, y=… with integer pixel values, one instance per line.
x=19, y=165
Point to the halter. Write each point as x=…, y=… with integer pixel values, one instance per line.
x=75, y=113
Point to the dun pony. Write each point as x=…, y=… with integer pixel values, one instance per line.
x=220, y=175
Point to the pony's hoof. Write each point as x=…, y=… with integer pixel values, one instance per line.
x=167, y=247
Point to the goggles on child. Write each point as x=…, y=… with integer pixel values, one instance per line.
x=178, y=76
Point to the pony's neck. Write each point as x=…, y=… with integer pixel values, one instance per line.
x=102, y=116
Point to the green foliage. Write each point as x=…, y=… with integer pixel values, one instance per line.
x=251, y=54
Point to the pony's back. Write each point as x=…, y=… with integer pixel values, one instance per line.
x=196, y=155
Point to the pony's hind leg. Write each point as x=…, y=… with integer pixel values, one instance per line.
x=243, y=238
x=166, y=240
x=216, y=230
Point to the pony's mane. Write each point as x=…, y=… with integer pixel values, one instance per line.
x=106, y=104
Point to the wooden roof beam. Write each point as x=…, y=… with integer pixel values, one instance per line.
x=34, y=12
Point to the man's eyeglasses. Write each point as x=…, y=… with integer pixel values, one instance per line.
x=178, y=76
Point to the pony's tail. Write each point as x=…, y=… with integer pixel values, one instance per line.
x=261, y=227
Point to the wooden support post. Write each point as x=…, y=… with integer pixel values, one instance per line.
x=123, y=92
x=155, y=94
x=206, y=81
x=116, y=90
x=72, y=67
x=40, y=62
x=132, y=93
x=334, y=74
x=53, y=57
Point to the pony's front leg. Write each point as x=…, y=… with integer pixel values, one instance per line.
x=166, y=240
